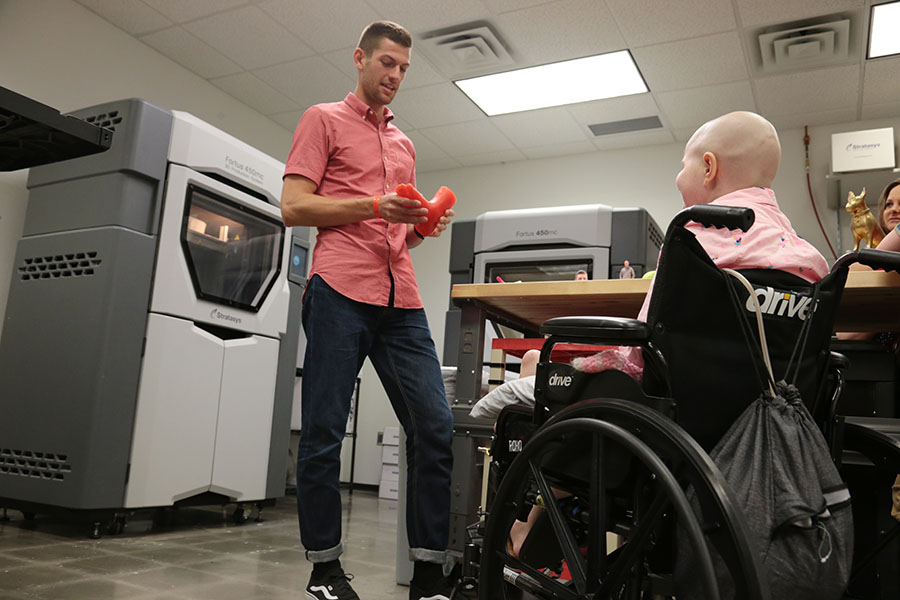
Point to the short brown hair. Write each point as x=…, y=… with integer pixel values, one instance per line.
x=371, y=36
x=883, y=200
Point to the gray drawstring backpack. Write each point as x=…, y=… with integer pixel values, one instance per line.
x=779, y=471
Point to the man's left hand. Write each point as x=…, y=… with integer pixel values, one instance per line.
x=442, y=223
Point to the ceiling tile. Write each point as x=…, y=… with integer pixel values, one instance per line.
x=491, y=158
x=540, y=127
x=342, y=61
x=691, y=108
x=882, y=81
x=645, y=22
x=425, y=148
x=419, y=17
x=401, y=124
x=767, y=12
x=288, y=120
x=420, y=72
x=633, y=139
x=613, y=109
x=687, y=64
x=683, y=134
x=797, y=121
x=810, y=91
x=191, y=52
x=560, y=30
x=466, y=139
x=559, y=150
x=881, y=111
x=250, y=90
x=308, y=81
x=249, y=37
x=181, y=11
x=434, y=105
x=502, y=6
x=133, y=16
x=324, y=26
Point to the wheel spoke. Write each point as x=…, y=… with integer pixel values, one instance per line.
x=558, y=590
x=564, y=536
x=597, y=527
x=633, y=548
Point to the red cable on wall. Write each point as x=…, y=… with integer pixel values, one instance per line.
x=809, y=187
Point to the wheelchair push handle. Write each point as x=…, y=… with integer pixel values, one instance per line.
x=716, y=216
x=872, y=257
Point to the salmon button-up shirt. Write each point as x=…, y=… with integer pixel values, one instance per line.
x=348, y=153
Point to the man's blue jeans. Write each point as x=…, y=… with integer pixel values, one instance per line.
x=340, y=334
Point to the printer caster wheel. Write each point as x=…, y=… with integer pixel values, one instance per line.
x=117, y=525
x=241, y=514
x=95, y=532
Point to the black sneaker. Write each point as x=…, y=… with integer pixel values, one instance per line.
x=441, y=589
x=333, y=585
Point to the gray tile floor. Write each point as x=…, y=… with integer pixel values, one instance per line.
x=200, y=555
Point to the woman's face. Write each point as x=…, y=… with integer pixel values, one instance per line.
x=891, y=214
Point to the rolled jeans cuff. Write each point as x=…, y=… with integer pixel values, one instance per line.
x=320, y=556
x=440, y=557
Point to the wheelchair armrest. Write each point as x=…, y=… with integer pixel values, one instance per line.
x=624, y=332
x=878, y=439
x=836, y=360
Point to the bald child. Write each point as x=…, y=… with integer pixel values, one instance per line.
x=732, y=161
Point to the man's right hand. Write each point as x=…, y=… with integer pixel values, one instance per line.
x=394, y=208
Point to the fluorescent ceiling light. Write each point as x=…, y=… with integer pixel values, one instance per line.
x=884, y=39
x=579, y=80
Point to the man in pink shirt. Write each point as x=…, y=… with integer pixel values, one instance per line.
x=362, y=300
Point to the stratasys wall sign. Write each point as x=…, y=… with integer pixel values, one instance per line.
x=863, y=150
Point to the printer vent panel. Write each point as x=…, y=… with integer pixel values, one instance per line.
x=58, y=266
x=109, y=120
x=656, y=236
x=30, y=463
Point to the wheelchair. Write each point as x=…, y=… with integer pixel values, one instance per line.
x=622, y=469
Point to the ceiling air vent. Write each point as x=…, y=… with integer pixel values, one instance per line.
x=808, y=46
x=466, y=50
x=625, y=126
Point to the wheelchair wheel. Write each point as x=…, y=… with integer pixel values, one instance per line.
x=634, y=473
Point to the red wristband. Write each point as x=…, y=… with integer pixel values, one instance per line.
x=375, y=206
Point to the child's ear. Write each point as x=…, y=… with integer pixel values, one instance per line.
x=710, y=168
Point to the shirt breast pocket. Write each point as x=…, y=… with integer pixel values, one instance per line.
x=404, y=164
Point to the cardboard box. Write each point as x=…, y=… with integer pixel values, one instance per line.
x=391, y=436
x=390, y=473
x=390, y=455
x=389, y=490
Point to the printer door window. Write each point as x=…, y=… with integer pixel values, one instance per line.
x=233, y=253
x=536, y=271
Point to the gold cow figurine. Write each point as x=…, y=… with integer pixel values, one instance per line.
x=863, y=225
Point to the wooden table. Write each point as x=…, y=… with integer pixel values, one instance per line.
x=871, y=302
